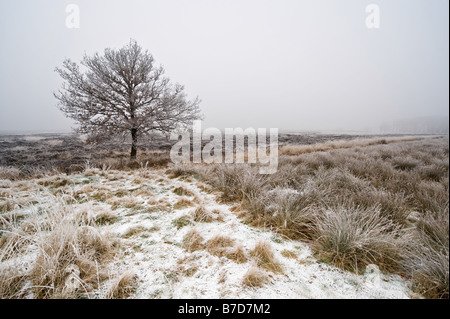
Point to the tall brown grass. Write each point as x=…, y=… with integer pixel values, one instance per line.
x=265, y=257
x=352, y=238
x=427, y=255
x=70, y=255
x=351, y=201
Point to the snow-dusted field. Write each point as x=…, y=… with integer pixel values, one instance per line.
x=152, y=214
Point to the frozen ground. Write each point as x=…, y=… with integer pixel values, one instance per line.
x=150, y=226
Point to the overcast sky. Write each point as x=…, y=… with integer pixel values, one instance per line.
x=290, y=64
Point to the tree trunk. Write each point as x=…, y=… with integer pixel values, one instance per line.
x=133, y=144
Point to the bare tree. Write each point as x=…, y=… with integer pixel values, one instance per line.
x=123, y=92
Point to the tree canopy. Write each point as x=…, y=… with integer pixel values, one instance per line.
x=123, y=92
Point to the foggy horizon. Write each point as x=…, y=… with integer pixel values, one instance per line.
x=292, y=65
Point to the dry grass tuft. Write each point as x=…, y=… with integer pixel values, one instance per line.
x=255, y=277
x=9, y=173
x=105, y=217
x=97, y=192
x=352, y=238
x=288, y=212
x=201, y=214
x=69, y=247
x=219, y=245
x=265, y=258
x=134, y=231
x=13, y=242
x=123, y=286
x=7, y=205
x=182, y=221
x=405, y=163
x=11, y=283
x=90, y=214
x=181, y=191
x=429, y=270
x=180, y=170
x=237, y=254
x=427, y=255
x=288, y=254
x=54, y=181
x=183, y=203
x=193, y=241
x=126, y=202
